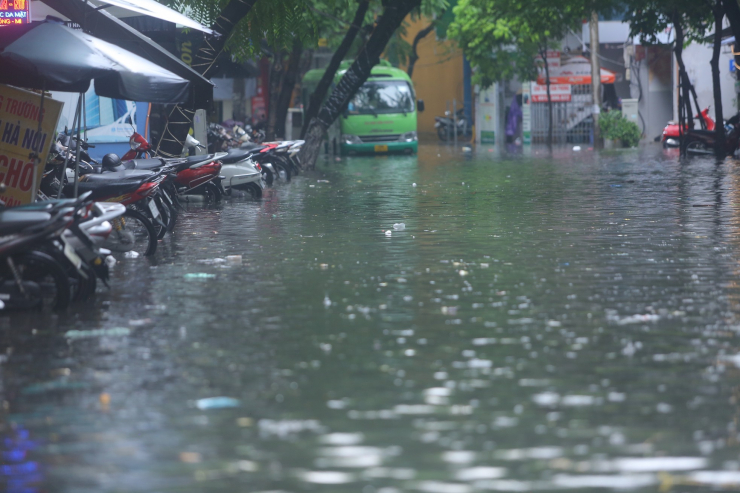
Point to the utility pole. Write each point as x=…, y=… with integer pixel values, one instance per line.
x=593, y=25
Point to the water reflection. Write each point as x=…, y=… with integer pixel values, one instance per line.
x=562, y=321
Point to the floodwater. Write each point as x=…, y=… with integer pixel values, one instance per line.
x=564, y=322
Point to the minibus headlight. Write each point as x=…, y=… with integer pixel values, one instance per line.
x=408, y=137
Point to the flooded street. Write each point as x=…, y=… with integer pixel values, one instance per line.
x=538, y=323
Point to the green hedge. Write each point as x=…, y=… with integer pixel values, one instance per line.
x=615, y=127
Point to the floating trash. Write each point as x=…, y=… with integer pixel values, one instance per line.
x=217, y=403
x=399, y=226
x=86, y=334
x=199, y=275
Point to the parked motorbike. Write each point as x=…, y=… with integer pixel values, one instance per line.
x=672, y=132
x=445, y=126
x=697, y=142
x=196, y=174
x=50, y=253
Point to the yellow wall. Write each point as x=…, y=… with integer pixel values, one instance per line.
x=438, y=74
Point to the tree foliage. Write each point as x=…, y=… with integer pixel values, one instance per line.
x=271, y=24
x=501, y=37
x=650, y=18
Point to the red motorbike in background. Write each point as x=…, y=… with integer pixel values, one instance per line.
x=671, y=132
x=140, y=148
x=193, y=171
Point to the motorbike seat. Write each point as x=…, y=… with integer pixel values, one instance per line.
x=44, y=206
x=102, y=189
x=701, y=132
x=199, y=159
x=251, y=145
x=235, y=155
x=126, y=174
x=143, y=164
x=12, y=221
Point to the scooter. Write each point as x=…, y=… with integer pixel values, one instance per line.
x=445, y=126
x=237, y=171
x=672, y=133
x=50, y=252
x=704, y=142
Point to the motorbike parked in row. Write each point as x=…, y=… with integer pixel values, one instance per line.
x=672, y=132
x=54, y=251
x=51, y=252
x=445, y=126
x=698, y=142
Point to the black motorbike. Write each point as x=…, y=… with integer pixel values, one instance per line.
x=46, y=259
x=445, y=126
x=698, y=141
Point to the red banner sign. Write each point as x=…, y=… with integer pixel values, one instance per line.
x=558, y=93
x=15, y=12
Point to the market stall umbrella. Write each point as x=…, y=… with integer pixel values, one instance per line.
x=575, y=70
x=51, y=56
x=159, y=11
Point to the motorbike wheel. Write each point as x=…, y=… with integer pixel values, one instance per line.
x=86, y=287
x=165, y=215
x=254, y=190
x=215, y=191
x=695, y=147
x=295, y=168
x=283, y=171
x=173, y=216
x=133, y=232
x=442, y=133
x=40, y=268
x=269, y=177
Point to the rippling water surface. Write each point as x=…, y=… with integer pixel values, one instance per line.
x=564, y=322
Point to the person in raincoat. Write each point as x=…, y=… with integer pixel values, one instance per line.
x=513, y=119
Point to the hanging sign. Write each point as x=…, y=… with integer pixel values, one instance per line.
x=527, y=112
x=552, y=57
x=15, y=12
x=558, y=93
x=20, y=140
x=485, y=110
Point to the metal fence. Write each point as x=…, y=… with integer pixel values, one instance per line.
x=572, y=121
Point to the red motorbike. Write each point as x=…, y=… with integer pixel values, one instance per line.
x=140, y=148
x=192, y=172
x=671, y=132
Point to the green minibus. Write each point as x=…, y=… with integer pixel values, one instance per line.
x=381, y=117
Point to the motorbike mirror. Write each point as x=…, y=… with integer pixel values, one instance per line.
x=420, y=105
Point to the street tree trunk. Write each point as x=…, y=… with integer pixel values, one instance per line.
x=414, y=57
x=180, y=118
x=550, y=116
x=682, y=77
x=322, y=89
x=595, y=76
x=393, y=15
x=277, y=71
x=290, y=77
x=718, y=116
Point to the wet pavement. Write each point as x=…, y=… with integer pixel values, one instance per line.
x=564, y=323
